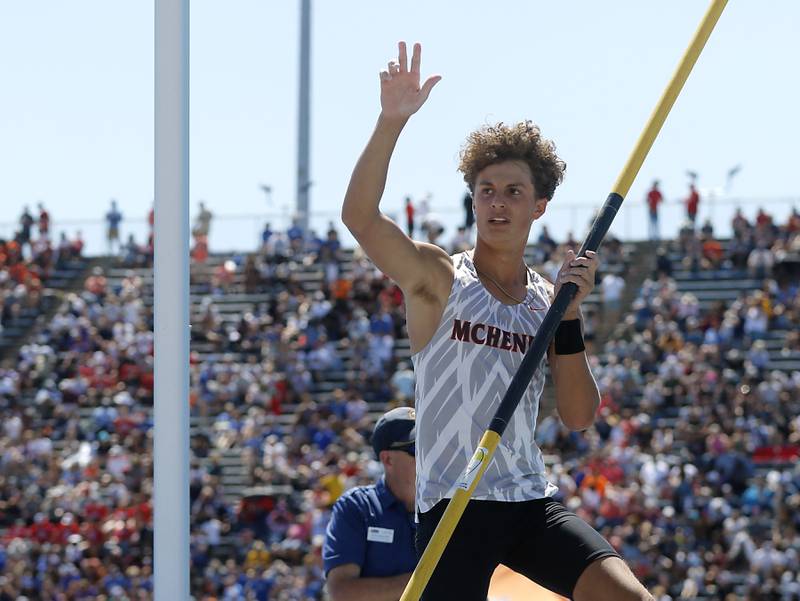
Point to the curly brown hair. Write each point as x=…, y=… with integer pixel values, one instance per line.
x=521, y=142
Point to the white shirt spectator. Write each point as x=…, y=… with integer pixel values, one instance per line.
x=403, y=381
x=118, y=462
x=12, y=427
x=612, y=286
x=755, y=321
x=213, y=530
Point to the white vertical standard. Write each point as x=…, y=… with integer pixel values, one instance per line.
x=304, y=118
x=171, y=444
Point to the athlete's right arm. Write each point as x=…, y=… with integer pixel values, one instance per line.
x=405, y=261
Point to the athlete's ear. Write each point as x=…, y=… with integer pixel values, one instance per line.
x=539, y=207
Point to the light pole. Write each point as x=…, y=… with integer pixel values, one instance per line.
x=304, y=117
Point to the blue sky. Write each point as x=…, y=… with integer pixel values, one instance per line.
x=76, y=113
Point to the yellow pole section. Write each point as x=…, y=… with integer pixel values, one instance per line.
x=451, y=516
x=668, y=98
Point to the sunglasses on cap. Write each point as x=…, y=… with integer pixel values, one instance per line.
x=408, y=447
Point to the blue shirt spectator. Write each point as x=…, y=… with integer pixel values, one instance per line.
x=295, y=232
x=371, y=527
x=369, y=545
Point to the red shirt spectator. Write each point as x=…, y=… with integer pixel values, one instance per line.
x=692, y=203
x=44, y=221
x=713, y=251
x=762, y=218
x=654, y=198
x=409, y=217
x=200, y=250
x=77, y=245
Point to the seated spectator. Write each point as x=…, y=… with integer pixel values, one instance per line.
x=96, y=284
x=760, y=261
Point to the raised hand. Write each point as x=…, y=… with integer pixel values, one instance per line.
x=401, y=94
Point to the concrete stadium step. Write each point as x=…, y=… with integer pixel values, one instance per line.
x=788, y=365
x=703, y=285
x=720, y=274
x=229, y=471
x=716, y=295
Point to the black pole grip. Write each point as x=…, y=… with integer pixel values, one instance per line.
x=535, y=354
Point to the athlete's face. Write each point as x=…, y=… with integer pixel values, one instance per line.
x=505, y=201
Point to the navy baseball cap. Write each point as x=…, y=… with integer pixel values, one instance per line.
x=395, y=431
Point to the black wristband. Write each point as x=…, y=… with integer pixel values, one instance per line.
x=569, y=338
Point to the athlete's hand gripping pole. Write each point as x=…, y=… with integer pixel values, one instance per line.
x=533, y=358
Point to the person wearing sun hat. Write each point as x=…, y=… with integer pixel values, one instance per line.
x=369, y=548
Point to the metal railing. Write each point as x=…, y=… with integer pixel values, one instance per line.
x=242, y=232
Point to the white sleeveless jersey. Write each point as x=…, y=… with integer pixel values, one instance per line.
x=461, y=377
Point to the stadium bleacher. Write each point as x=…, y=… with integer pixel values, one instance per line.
x=691, y=470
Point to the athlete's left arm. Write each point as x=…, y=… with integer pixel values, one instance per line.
x=577, y=396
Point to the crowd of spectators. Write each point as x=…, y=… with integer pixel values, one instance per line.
x=688, y=471
x=75, y=515
x=692, y=469
x=756, y=247
x=27, y=260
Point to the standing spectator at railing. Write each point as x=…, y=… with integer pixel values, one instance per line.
x=692, y=204
x=654, y=199
x=77, y=245
x=202, y=224
x=63, y=250
x=295, y=231
x=113, y=220
x=546, y=243
x=469, y=213
x=763, y=219
x=25, y=224
x=44, y=221
x=739, y=224
x=409, y=217
x=266, y=234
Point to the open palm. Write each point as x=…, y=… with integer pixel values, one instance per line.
x=401, y=94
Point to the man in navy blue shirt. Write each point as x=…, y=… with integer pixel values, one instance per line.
x=369, y=549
